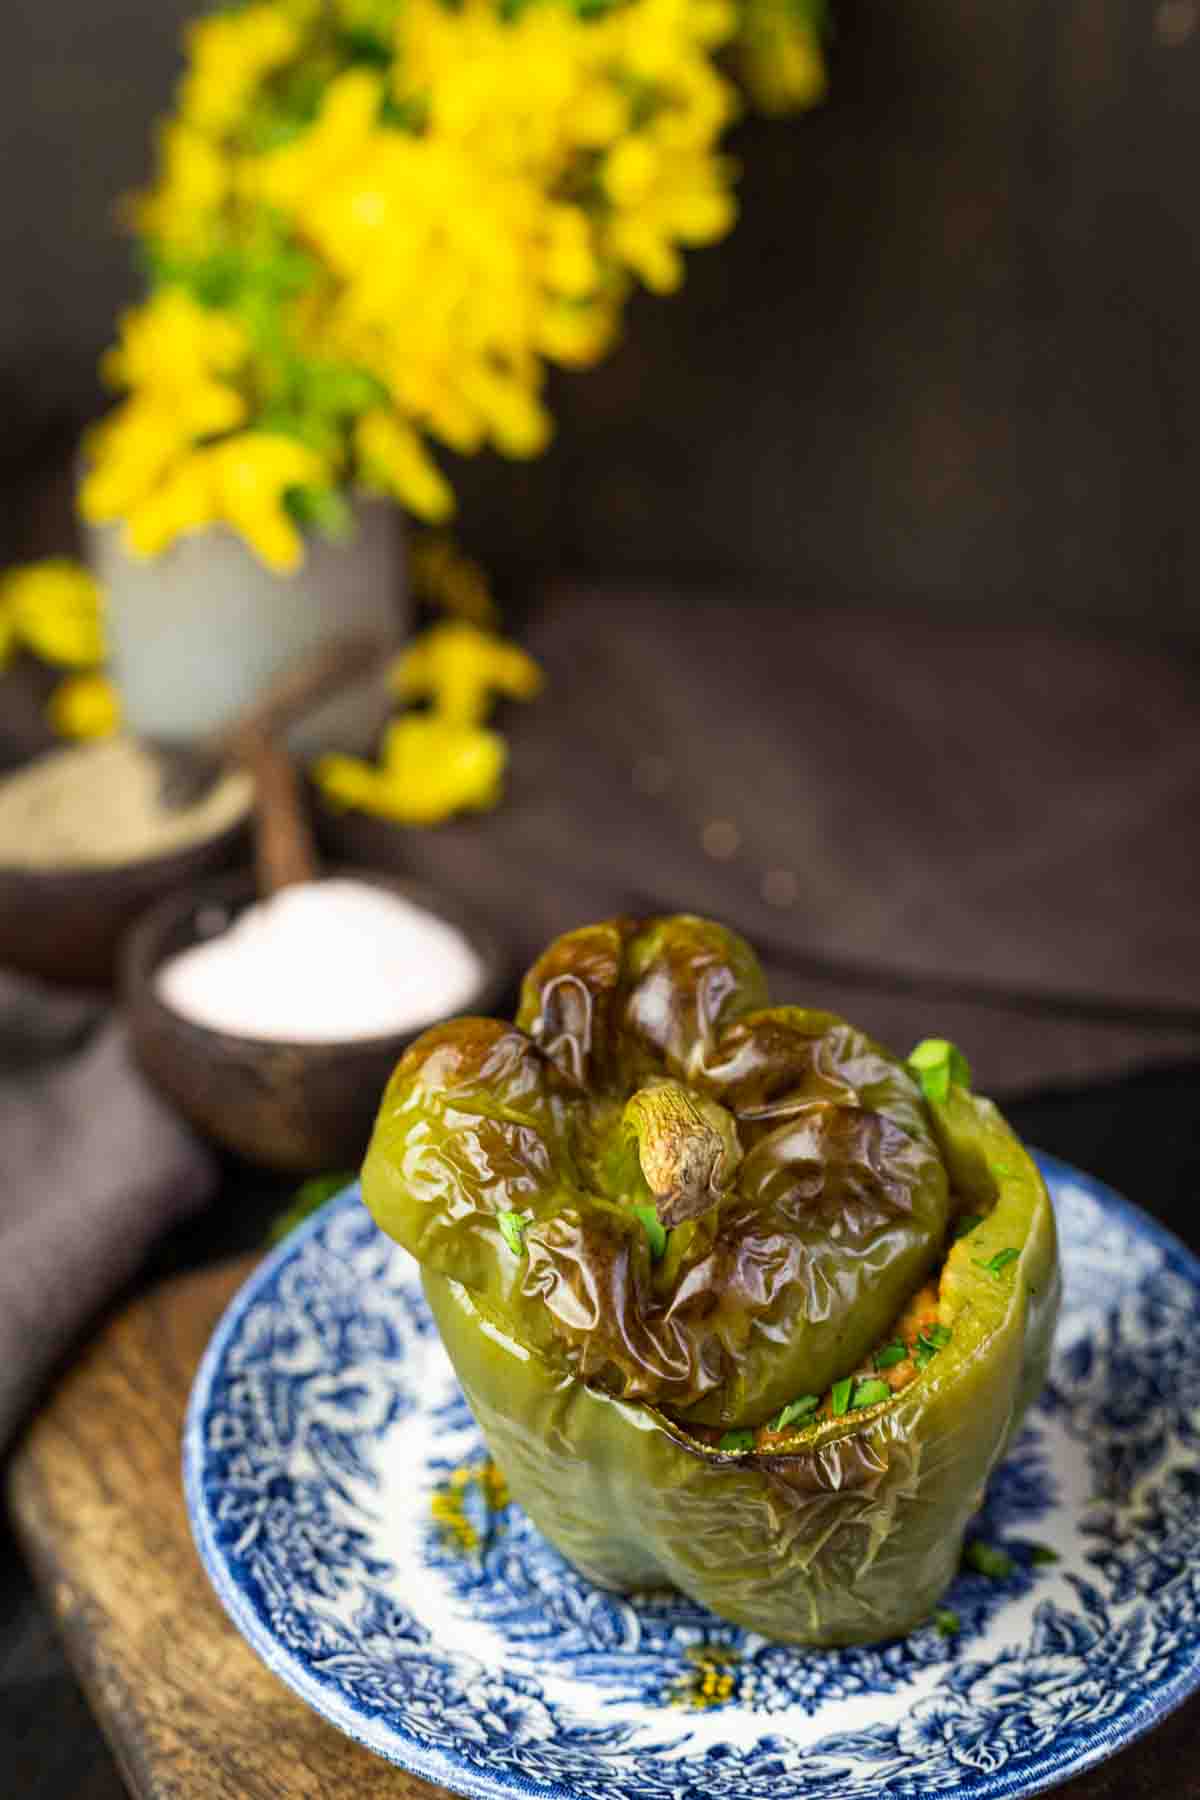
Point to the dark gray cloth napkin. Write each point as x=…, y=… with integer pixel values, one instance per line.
x=93, y=1168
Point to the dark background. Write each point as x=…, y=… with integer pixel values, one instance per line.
x=947, y=368
x=948, y=360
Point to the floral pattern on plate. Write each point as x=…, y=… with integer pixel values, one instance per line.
x=352, y=1523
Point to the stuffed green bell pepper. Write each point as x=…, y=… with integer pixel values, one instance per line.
x=743, y=1304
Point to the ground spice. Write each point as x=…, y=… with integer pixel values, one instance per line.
x=97, y=805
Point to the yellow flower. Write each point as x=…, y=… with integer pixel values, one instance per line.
x=183, y=500
x=423, y=230
x=254, y=471
x=460, y=669
x=172, y=342
x=431, y=769
x=229, y=54
x=298, y=173
x=391, y=455
x=194, y=179
x=84, y=706
x=241, y=482
x=53, y=608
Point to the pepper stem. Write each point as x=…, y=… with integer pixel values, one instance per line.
x=687, y=1146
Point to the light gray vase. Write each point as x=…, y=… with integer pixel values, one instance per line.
x=195, y=632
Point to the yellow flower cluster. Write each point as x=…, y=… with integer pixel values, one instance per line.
x=376, y=221
x=54, y=609
x=160, y=461
x=446, y=760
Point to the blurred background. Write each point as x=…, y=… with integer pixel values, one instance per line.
x=946, y=363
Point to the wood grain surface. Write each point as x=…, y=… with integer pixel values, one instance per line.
x=97, y=1499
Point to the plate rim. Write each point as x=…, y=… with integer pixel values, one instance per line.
x=431, y=1763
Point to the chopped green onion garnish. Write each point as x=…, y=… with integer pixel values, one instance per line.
x=996, y=1265
x=656, y=1231
x=966, y=1225
x=1042, y=1553
x=939, y=1336
x=512, y=1230
x=938, y=1065
x=946, y=1623
x=997, y=1565
x=870, y=1392
x=796, y=1409
x=737, y=1440
x=890, y=1355
x=924, y=1353
x=840, y=1396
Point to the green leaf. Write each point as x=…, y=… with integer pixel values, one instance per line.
x=890, y=1355
x=796, y=1409
x=946, y=1623
x=840, y=1397
x=939, y=1336
x=870, y=1393
x=966, y=1225
x=938, y=1065
x=305, y=1201
x=321, y=509
x=512, y=1230
x=996, y=1265
x=1042, y=1553
x=985, y=1559
x=737, y=1440
x=655, y=1229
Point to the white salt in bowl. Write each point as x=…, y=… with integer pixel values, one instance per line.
x=295, y=1104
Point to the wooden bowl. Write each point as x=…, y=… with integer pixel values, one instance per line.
x=307, y=1107
x=67, y=925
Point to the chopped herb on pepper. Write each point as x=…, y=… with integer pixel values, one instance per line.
x=890, y=1355
x=840, y=1396
x=1042, y=1553
x=737, y=1440
x=946, y=1623
x=966, y=1225
x=656, y=1231
x=930, y=1342
x=985, y=1559
x=938, y=1065
x=996, y=1265
x=870, y=1392
x=796, y=1409
x=512, y=1230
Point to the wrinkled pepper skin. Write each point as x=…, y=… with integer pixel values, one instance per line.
x=810, y=1189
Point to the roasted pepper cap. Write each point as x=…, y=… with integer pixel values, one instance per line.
x=792, y=1158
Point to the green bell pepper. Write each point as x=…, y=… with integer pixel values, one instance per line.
x=681, y=1249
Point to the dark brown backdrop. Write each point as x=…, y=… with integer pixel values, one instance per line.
x=948, y=360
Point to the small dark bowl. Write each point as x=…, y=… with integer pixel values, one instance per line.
x=303, y=1107
x=67, y=925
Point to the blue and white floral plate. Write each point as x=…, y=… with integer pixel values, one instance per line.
x=348, y=1515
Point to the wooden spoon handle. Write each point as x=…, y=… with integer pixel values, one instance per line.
x=284, y=850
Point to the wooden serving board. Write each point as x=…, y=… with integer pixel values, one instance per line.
x=97, y=1498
